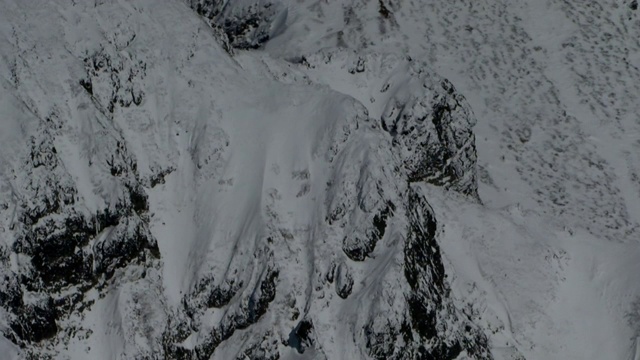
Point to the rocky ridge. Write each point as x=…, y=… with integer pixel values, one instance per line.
x=85, y=191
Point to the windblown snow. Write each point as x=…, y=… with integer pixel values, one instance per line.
x=202, y=179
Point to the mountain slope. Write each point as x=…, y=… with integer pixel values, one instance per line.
x=163, y=199
x=274, y=179
x=551, y=83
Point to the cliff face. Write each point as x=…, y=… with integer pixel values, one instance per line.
x=165, y=199
x=294, y=180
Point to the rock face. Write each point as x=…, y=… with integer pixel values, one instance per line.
x=437, y=142
x=247, y=24
x=179, y=203
x=70, y=250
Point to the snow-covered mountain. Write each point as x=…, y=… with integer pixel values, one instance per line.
x=201, y=179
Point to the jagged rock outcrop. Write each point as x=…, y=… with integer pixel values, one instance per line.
x=229, y=207
x=341, y=274
x=247, y=24
x=429, y=121
x=68, y=250
x=435, y=134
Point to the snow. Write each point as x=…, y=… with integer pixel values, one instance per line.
x=9, y=350
x=552, y=291
x=549, y=259
x=534, y=70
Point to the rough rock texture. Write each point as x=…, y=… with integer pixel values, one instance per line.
x=172, y=201
x=437, y=141
x=247, y=24
x=429, y=121
x=68, y=250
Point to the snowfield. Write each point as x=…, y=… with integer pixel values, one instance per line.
x=319, y=180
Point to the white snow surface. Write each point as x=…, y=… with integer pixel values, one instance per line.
x=549, y=259
x=554, y=87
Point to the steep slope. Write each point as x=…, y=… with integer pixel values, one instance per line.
x=554, y=85
x=165, y=193
x=164, y=199
x=550, y=79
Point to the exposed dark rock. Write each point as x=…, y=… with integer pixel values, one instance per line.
x=10, y=292
x=344, y=281
x=159, y=178
x=260, y=299
x=123, y=243
x=380, y=220
x=247, y=27
x=429, y=327
x=429, y=311
x=302, y=336
x=433, y=132
x=56, y=233
x=207, y=294
x=383, y=10
x=251, y=309
x=36, y=322
x=381, y=344
x=245, y=33
x=423, y=270
x=72, y=249
x=422, y=255
x=111, y=80
x=210, y=9
x=359, y=67
x=86, y=84
x=63, y=271
x=331, y=273
x=358, y=247
x=264, y=348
